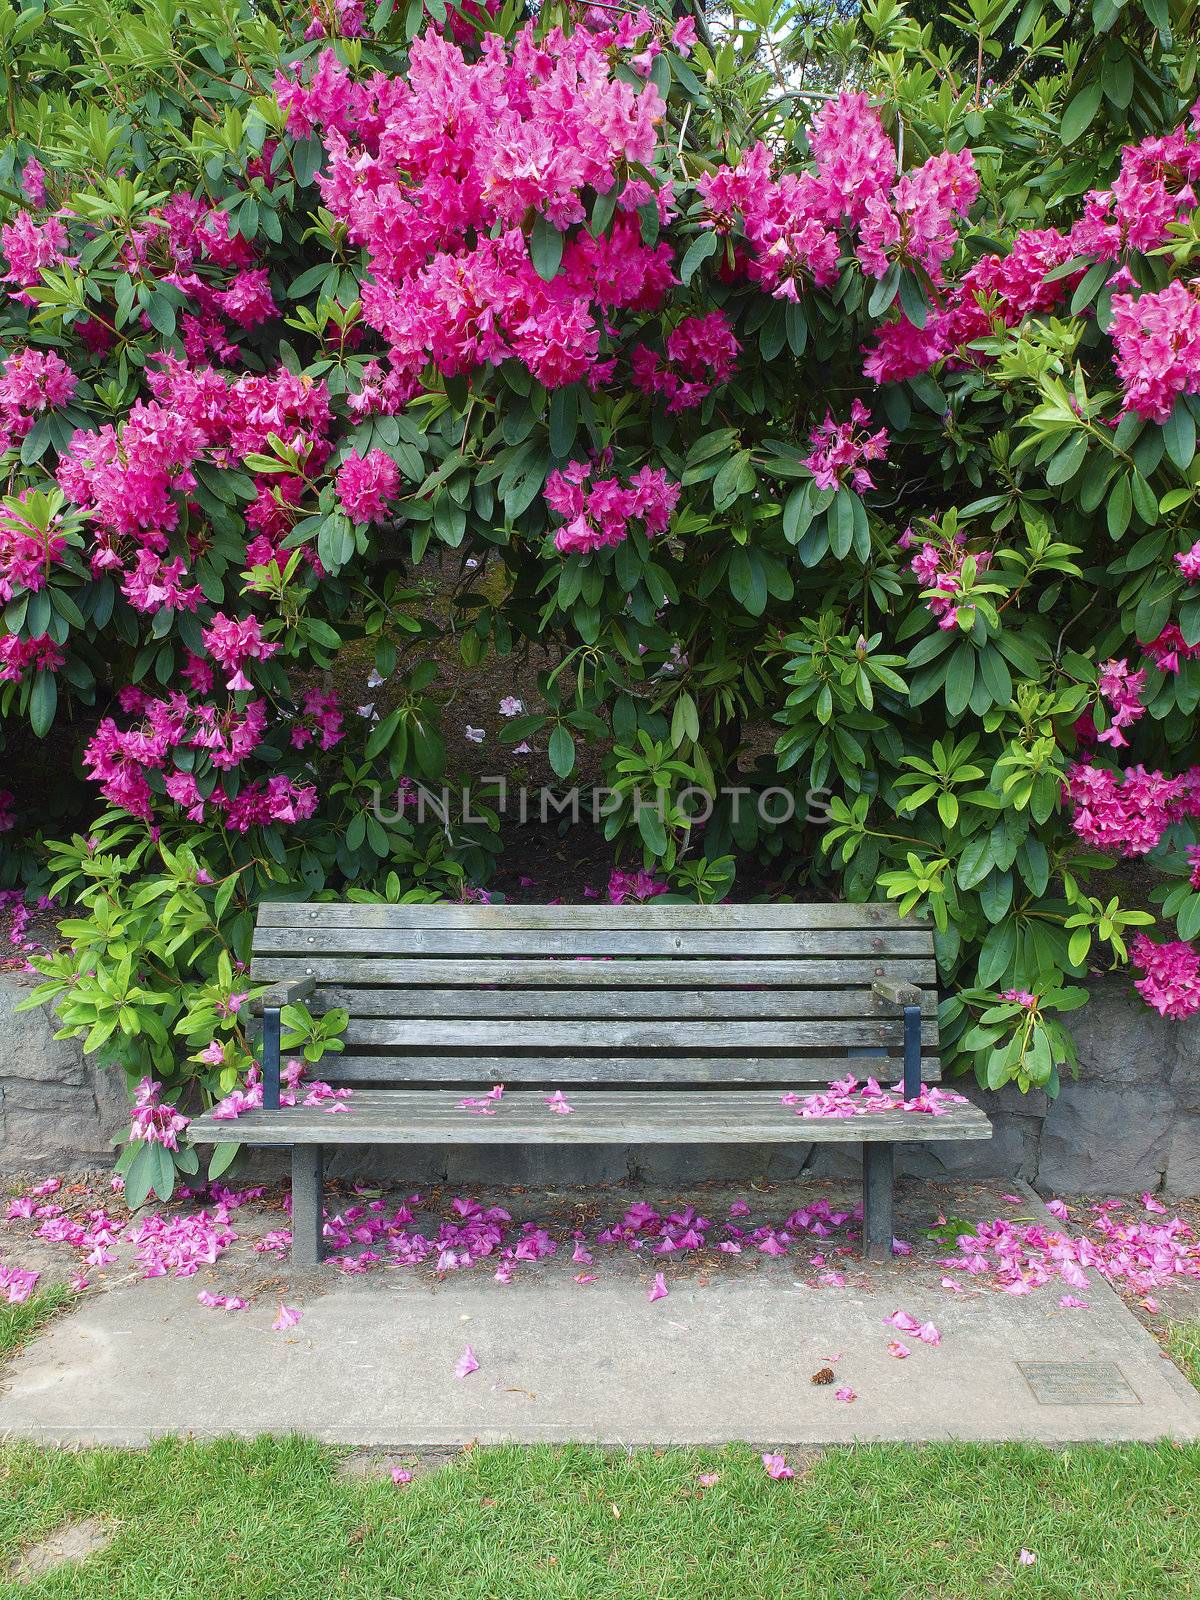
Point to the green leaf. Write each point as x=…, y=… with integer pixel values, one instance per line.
x=912, y=300
x=702, y=246
x=1120, y=506
x=885, y=291
x=221, y=1159
x=564, y=420
x=960, y=679
x=1067, y=461
x=841, y=523
x=43, y=702
x=162, y=315
x=545, y=248
x=561, y=751
x=1179, y=435
x=1077, y=118
x=748, y=580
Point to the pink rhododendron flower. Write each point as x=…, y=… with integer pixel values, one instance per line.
x=599, y=511
x=401, y=1476
x=1172, y=976
x=1128, y=813
x=900, y=1351
x=154, y=1122
x=845, y=1393
x=839, y=450
x=365, y=484
x=658, y=1289
x=288, y=1317
x=776, y=1467
x=1157, y=340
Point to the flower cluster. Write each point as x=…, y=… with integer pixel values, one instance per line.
x=840, y=449
x=18, y=656
x=1157, y=340
x=436, y=174
x=939, y=570
x=32, y=382
x=1156, y=334
x=1172, y=981
x=27, y=553
x=1128, y=813
x=598, y=511
x=124, y=763
x=365, y=484
x=1122, y=690
x=791, y=223
x=701, y=355
x=153, y=1121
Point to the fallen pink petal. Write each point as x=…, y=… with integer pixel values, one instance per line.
x=1027, y=1558
x=900, y=1351
x=288, y=1317
x=776, y=1466
x=845, y=1393
x=903, y=1321
x=708, y=1480
x=928, y=1334
x=466, y=1364
x=401, y=1476
x=658, y=1289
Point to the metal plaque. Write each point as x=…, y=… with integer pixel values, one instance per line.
x=1078, y=1383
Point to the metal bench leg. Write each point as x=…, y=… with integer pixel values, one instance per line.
x=308, y=1216
x=878, y=1219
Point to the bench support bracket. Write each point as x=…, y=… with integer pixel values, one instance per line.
x=878, y=1218
x=270, y=1058
x=912, y=1052
x=308, y=1193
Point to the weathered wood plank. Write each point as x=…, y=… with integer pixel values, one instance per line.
x=492, y=1037
x=496, y=941
x=577, y=1005
x=585, y=974
x=793, y=1067
x=600, y=1117
x=598, y=914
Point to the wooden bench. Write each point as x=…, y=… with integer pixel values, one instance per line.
x=663, y=1024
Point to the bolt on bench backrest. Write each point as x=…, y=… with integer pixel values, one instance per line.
x=635, y=994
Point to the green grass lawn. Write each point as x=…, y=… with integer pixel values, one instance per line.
x=236, y=1521
x=19, y=1323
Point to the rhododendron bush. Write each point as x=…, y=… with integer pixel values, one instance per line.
x=817, y=407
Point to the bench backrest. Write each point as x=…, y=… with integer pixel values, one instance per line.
x=649, y=994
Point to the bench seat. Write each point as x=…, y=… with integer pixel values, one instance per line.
x=659, y=1024
x=598, y=1116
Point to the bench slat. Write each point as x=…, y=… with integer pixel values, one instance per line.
x=653, y=915
x=497, y=941
x=628, y=1004
x=608, y=975
x=491, y=1037
x=430, y=1116
x=477, y=1073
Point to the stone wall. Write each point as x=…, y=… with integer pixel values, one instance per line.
x=58, y=1113
x=1130, y=1122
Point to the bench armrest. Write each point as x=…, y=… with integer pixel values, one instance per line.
x=285, y=993
x=895, y=994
